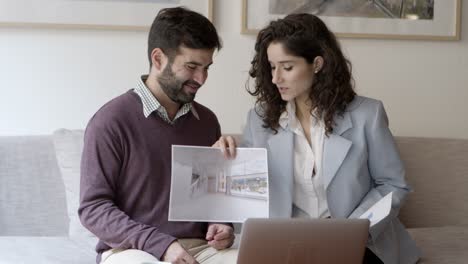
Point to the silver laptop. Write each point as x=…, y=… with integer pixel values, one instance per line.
x=284, y=241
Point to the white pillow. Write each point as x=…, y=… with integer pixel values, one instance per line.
x=68, y=149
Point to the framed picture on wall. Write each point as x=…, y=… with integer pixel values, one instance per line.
x=102, y=14
x=389, y=19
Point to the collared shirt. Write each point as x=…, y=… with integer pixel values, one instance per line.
x=151, y=104
x=309, y=189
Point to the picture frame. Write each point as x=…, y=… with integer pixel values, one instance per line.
x=92, y=14
x=442, y=20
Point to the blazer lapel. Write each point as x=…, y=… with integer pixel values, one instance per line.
x=281, y=164
x=281, y=147
x=336, y=148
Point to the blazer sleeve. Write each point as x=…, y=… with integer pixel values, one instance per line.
x=386, y=169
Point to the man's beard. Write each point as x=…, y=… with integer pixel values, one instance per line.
x=174, y=87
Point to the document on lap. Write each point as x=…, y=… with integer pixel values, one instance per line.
x=207, y=187
x=379, y=210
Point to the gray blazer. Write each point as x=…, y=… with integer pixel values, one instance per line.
x=361, y=165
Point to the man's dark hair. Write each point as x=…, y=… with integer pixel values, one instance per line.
x=178, y=26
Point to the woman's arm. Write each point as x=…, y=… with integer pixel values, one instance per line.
x=385, y=168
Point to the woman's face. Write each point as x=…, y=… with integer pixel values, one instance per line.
x=292, y=75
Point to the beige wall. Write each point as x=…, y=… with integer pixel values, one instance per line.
x=59, y=78
x=423, y=84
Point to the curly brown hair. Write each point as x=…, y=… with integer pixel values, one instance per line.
x=306, y=36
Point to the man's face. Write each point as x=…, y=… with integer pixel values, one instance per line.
x=184, y=74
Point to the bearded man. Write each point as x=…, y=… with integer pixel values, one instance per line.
x=126, y=162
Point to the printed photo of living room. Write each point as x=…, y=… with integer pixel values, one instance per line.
x=207, y=187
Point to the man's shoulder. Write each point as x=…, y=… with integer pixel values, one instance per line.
x=119, y=104
x=117, y=109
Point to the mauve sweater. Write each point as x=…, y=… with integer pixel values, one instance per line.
x=126, y=174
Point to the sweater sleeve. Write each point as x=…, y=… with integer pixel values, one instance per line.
x=101, y=164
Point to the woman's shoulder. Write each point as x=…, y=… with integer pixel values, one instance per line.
x=255, y=121
x=255, y=114
x=364, y=109
x=362, y=103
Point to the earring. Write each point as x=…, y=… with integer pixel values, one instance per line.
x=317, y=68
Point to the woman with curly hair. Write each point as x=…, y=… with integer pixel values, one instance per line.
x=330, y=152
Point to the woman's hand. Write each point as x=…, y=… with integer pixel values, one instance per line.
x=227, y=144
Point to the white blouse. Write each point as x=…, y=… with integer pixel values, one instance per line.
x=309, y=190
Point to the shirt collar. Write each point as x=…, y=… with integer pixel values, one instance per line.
x=288, y=118
x=151, y=104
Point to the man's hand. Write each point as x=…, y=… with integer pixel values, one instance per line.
x=176, y=254
x=227, y=145
x=220, y=236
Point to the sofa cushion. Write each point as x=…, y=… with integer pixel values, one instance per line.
x=43, y=250
x=437, y=169
x=442, y=244
x=32, y=197
x=68, y=148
